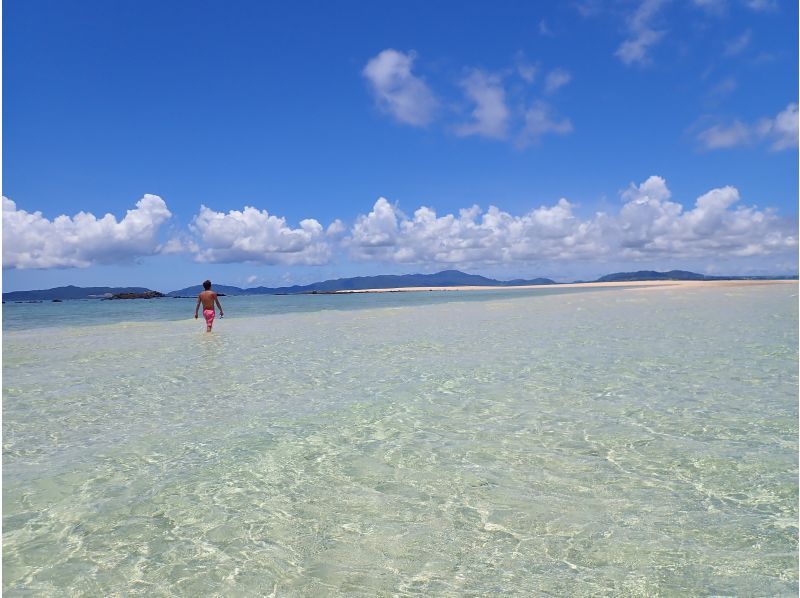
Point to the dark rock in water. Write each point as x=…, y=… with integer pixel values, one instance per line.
x=147, y=295
x=57, y=301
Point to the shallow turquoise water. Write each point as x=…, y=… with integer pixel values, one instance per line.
x=46, y=314
x=599, y=443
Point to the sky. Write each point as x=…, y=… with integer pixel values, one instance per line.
x=158, y=144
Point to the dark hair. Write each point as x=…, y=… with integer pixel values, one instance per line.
x=207, y=285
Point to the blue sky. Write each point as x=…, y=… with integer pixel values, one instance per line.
x=593, y=137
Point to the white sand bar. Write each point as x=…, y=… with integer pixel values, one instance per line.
x=636, y=284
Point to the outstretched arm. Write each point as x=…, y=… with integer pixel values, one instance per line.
x=219, y=305
x=197, y=308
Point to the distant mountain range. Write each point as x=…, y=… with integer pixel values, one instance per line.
x=446, y=278
x=70, y=292
x=678, y=275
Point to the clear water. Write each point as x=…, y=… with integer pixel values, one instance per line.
x=23, y=316
x=623, y=442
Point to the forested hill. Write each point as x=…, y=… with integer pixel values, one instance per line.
x=446, y=278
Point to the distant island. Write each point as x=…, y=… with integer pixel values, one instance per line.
x=145, y=295
x=72, y=292
x=445, y=278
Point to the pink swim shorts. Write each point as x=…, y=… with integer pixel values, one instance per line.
x=209, y=314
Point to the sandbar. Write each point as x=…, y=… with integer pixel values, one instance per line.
x=632, y=285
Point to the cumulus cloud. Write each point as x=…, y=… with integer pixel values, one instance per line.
x=254, y=235
x=180, y=243
x=32, y=241
x=490, y=116
x=471, y=237
x=335, y=228
x=539, y=121
x=556, y=79
x=378, y=228
x=397, y=90
x=781, y=132
x=641, y=34
x=648, y=226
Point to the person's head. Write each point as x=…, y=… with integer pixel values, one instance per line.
x=207, y=285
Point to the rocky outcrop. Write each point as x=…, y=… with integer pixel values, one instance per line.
x=147, y=295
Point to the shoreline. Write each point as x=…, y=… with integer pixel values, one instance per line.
x=637, y=284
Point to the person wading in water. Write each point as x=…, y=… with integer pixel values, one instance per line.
x=208, y=298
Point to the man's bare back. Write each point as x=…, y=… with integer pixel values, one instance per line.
x=207, y=298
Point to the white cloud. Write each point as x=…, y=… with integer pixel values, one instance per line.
x=253, y=235
x=335, y=228
x=723, y=136
x=738, y=45
x=641, y=33
x=651, y=225
x=180, y=243
x=544, y=29
x=648, y=226
x=780, y=132
x=32, y=241
x=378, y=228
x=654, y=187
x=490, y=116
x=556, y=79
x=471, y=237
x=397, y=90
x=539, y=122
x=407, y=98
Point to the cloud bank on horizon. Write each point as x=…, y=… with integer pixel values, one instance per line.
x=648, y=225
